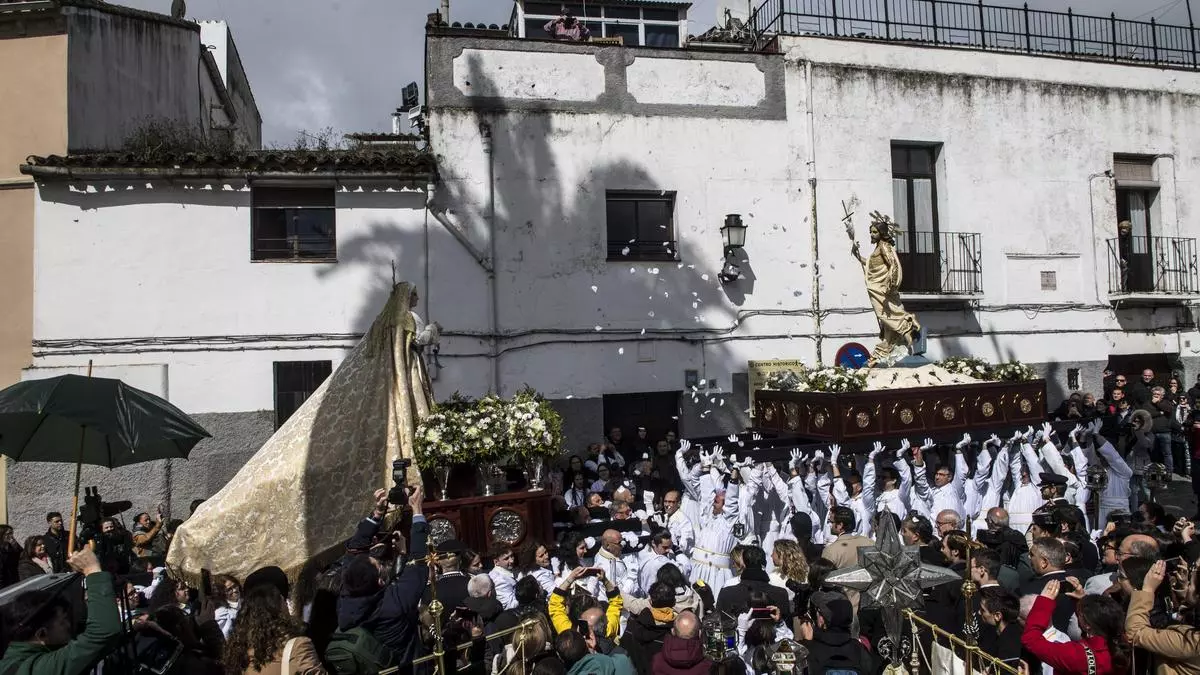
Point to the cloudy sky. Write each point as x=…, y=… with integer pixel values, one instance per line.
x=315, y=64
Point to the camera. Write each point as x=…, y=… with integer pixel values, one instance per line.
x=399, y=492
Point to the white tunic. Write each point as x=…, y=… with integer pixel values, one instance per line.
x=714, y=541
x=1116, y=493
x=506, y=586
x=648, y=573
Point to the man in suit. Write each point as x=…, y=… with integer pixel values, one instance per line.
x=1049, y=560
x=843, y=552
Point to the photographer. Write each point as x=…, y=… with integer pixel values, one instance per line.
x=38, y=626
x=147, y=542
x=388, y=610
x=1177, y=646
x=567, y=28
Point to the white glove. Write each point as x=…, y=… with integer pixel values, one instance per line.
x=705, y=459
x=835, y=451
x=718, y=459
x=995, y=440
x=796, y=460
x=1028, y=433
x=734, y=439
x=1047, y=430
x=1075, y=433
x=966, y=440
x=905, y=446
x=1016, y=437
x=684, y=446
x=928, y=444
x=877, y=449
x=756, y=436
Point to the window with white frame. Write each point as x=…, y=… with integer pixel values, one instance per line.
x=635, y=25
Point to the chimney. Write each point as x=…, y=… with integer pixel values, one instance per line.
x=396, y=117
x=444, y=9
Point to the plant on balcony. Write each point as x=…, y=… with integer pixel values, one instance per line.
x=1013, y=371
x=491, y=429
x=968, y=366
x=832, y=380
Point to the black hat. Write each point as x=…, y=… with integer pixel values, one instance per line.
x=268, y=576
x=450, y=547
x=1051, y=479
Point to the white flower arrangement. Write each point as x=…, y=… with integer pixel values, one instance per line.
x=1014, y=371
x=491, y=429
x=968, y=366
x=834, y=380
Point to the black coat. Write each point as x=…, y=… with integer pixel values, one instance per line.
x=643, y=639
x=838, y=650
x=27, y=568
x=1064, y=608
x=56, y=550
x=451, y=592
x=10, y=560
x=735, y=598
x=391, y=614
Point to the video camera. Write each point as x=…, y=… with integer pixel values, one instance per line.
x=94, y=510
x=400, y=490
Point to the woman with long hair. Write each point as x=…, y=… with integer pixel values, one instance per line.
x=266, y=639
x=10, y=557
x=790, y=564
x=533, y=560
x=1101, y=621
x=34, y=560
x=225, y=600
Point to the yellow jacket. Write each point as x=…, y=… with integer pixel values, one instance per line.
x=557, y=607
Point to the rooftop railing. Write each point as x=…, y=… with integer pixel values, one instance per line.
x=976, y=25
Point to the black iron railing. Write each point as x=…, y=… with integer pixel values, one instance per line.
x=974, y=24
x=1162, y=265
x=940, y=263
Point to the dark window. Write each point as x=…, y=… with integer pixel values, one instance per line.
x=914, y=202
x=295, y=381
x=535, y=28
x=628, y=33
x=622, y=13
x=293, y=224
x=660, y=14
x=662, y=36
x=641, y=225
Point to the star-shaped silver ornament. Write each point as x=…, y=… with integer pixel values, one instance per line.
x=891, y=577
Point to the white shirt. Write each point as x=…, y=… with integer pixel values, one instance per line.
x=575, y=498
x=506, y=586
x=648, y=573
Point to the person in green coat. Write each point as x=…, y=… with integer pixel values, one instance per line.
x=38, y=624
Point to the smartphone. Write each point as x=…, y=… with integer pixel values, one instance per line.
x=582, y=627
x=760, y=613
x=590, y=572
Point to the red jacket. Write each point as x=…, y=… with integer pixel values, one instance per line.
x=681, y=657
x=1066, y=658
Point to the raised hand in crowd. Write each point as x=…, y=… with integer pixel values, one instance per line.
x=966, y=440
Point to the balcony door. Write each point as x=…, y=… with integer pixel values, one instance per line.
x=1136, y=246
x=914, y=201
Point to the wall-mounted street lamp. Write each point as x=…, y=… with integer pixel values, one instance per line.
x=733, y=235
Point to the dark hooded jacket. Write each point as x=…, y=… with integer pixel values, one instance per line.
x=643, y=638
x=836, y=649
x=391, y=613
x=735, y=598
x=681, y=656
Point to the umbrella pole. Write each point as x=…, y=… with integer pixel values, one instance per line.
x=78, y=478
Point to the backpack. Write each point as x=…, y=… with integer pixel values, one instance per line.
x=358, y=652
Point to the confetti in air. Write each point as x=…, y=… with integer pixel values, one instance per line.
x=625, y=251
x=620, y=350
x=643, y=331
x=594, y=290
x=599, y=328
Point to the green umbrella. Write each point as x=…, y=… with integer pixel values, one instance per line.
x=91, y=420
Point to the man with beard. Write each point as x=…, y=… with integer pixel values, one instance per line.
x=55, y=540
x=113, y=547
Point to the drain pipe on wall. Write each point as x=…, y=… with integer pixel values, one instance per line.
x=815, y=232
x=485, y=132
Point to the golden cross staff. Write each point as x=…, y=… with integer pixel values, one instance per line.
x=435, y=609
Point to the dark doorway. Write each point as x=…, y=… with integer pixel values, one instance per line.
x=656, y=410
x=1132, y=365
x=914, y=200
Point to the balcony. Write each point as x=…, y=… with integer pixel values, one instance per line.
x=1152, y=270
x=940, y=266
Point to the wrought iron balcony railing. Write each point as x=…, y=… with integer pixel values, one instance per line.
x=954, y=23
x=1152, y=266
x=940, y=263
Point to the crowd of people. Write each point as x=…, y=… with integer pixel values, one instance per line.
x=671, y=558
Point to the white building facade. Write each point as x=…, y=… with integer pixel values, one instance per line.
x=571, y=242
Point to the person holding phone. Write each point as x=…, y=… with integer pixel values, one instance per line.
x=1101, y=620
x=557, y=605
x=567, y=28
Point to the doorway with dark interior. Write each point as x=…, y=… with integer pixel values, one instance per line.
x=656, y=411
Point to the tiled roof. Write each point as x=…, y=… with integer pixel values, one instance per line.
x=7, y=6
x=399, y=160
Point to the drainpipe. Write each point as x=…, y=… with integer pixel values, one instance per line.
x=815, y=232
x=485, y=132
